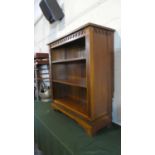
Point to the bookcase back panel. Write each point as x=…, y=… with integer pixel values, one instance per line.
x=69, y=51
x=58, y=54
x=75, y=97
x=70, y=71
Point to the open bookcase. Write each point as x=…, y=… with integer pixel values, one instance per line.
x=81, y=65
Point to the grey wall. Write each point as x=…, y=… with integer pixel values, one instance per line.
x=77, y=13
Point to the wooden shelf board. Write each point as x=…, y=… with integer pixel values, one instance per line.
x=42, y=78
x=44, y=73
x=43, y=62
x=72, y=104
x=41, y=69
x=68, y=60
x=79, y=83
x=41, y=55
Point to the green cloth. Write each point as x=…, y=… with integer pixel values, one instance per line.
x=56, y=134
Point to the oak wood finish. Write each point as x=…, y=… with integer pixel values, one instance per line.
x=82, y=76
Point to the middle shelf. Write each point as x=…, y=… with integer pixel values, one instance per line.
x=72, y=82
x=73, y=74
x=68, y=60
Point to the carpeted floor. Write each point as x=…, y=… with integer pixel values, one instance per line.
x=57, y=134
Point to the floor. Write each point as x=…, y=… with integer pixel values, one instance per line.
x=54, y=139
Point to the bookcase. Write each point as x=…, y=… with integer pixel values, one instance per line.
x=81, y=69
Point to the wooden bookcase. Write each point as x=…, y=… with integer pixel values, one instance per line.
x=82, y=75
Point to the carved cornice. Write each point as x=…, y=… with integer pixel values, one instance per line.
x=68, y=38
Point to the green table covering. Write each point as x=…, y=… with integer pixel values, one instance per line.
x=56, y=134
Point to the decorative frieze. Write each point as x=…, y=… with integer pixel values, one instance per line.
x=68, y=38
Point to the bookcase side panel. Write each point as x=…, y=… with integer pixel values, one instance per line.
x=89, y=71
x=101, y=74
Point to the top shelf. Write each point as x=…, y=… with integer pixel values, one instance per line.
x=68, y=39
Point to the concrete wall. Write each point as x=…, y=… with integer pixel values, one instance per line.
x=77, y=13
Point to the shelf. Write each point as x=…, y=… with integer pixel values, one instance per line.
x=41, y=69
x=44, y=73
x=72, y=104
x=41, y=56
x=42, y=79
x=68, y=60
x=78, y=83
x=42, y=62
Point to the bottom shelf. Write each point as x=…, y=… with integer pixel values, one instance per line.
x=72, y=104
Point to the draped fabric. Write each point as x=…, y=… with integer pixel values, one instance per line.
x=56, y=134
